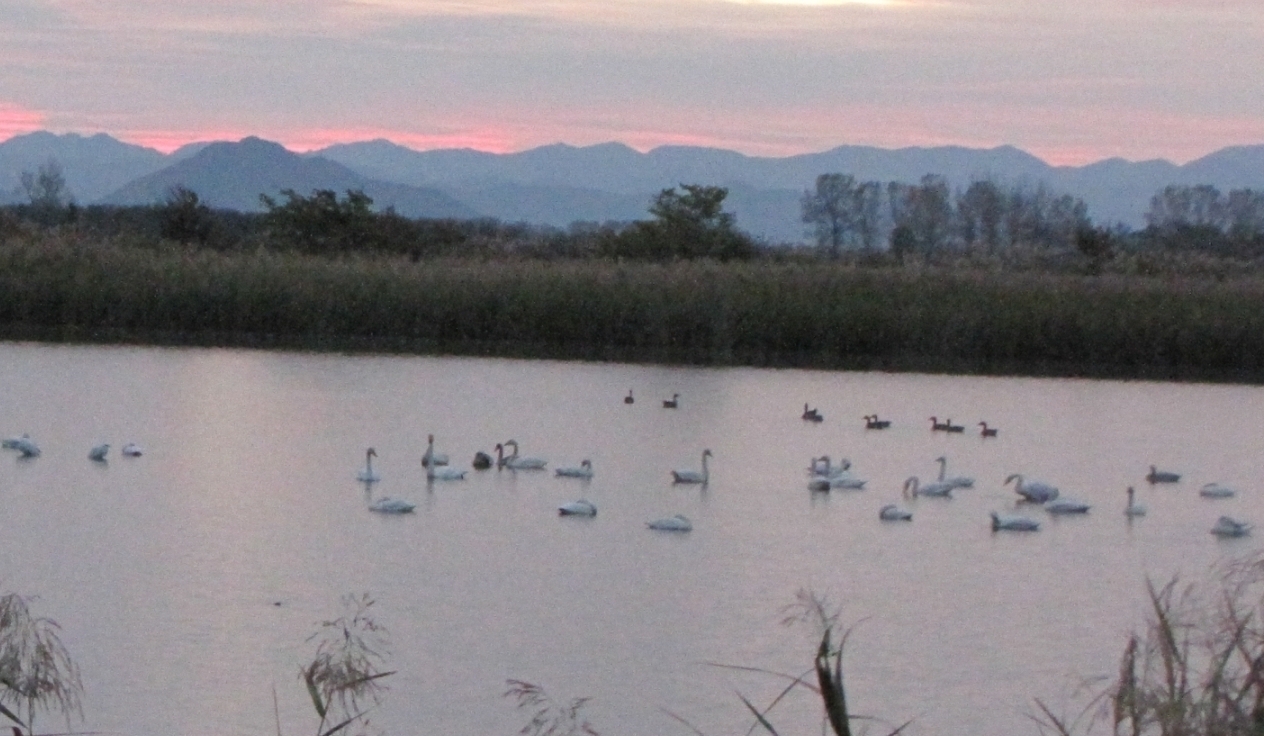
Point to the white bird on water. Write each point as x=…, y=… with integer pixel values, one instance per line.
x=388, y=505
x=514, y=462
x=1033, y=491
x=1013, y=523
x=583, y=471
x=582, y=507
x=1227, y=526
x=957, y=481
x=1216, y=490
x=131, y=449
x=891, y=512
x=436, y=472
x=1063, y=506
x=693, y=476
x=677, y=523
x=913, y=489
x=1133, y=508
x=366, y=474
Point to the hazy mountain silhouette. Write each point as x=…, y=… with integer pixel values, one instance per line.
x=233, y=175
x=560, y=184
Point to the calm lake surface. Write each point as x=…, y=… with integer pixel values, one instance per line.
x=164, y=570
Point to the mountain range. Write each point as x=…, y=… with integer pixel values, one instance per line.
x=560, y=184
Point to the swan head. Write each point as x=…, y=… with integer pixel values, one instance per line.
x=370, y=452
x=910, y=486
x=1012, y=478
x=707, y=453
x=586, y=464
x=941, y=460
x=430, y=438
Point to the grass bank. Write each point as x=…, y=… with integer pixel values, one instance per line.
x=757, y=313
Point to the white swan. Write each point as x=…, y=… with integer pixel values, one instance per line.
x=824, y=467
x=958, y=481
x=514, y=462
x=1013, y=523
x=1133, y=508
x=693, y=476
x=1216, y=490
x=366, y=474
x=1064, y=505
x=891, y=512
x=1162, y=476
x=677, y=523
x=844, y=481
x=1227, y=526
x=913, y=489
x=13, y=443
x=435, y=472
x=26, y=446
x=584, y=470
x=1034, y=491
x=131, y=449
x=432, y=457
x=98, y=453
x=388, y=505
x=581, y=507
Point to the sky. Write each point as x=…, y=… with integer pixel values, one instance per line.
x=1071, y=81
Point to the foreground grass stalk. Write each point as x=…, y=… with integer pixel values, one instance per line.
x=36, y=672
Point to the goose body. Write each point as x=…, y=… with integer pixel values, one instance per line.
x=812, y=415
x=1013, y=523
x=938, y=426
x=98, y=453
x=131, y=449
x=954, y=428
x=434, y=471
x=1216, y=490
x=628, y=399
x=677, y=523
x=672, y=403
x=1032, y=491
x=913, y=489
x=891, y=512
x=366, y=474
x=693, y=476
x=986, y=431
x=1133, y=508
x=957, y=481
x=514, y=461
x=1064, y=505
x=584, y=470
x=577, y=508
x=1227, y=526
x=873, y=422
x=1161, y=476
x=388, y=505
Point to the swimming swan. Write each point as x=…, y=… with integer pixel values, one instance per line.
x=693, y=476
x=1064, y=505
x=437, y=472
x=891, y=512
x=131, y=449
x=366, y=474
x=913, y=489
x=958, y=481
x=677, y=523
x=584, y=470
x=1161, y=476
x=388, y=505
x=577, y=508
x=1133, y=508
x=1033, y=492
x=26, y=446
x=1227, y=526
x=514, y=462
x=1013, y=523
x=1216, y=490
x=98, y=453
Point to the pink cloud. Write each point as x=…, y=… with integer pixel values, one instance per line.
x=17, y=120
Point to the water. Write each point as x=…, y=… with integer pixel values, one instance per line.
x=164, y=571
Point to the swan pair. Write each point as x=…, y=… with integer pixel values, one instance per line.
x=913, y=489
x=693, y=476
x=514, y=461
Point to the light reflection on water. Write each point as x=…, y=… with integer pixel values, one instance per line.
x=164, y=570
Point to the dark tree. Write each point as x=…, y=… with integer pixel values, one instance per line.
x=830, y=209
x=184, y=218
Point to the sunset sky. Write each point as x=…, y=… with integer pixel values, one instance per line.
x=1071, y=81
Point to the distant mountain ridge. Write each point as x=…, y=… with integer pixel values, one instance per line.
x=559, y=184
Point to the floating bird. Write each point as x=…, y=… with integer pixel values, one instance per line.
x=822, y=483
x=954, y=428
x=672, y=403
x=97, y=454
x=366, y=474
x=26, y=446
x=482, y=461
x=514, y=462
x=1216, y=490
x=131, y=449
x=1034, y=491
x=873, y=422
x=986, y=431
x=1161, y=476
x=583, y=471
x=1064, y=506
x=1133, y=508
x=436, y=472
x=388, y=505
x=693, y=476
x=433, y=458
x=913, y=489
x=1227, y=526
x=959, y=481
x=1013, y=523
x=824, y=467
x=937, y=426
x=677, y=523
x=13, y=443
x=891, y=512
x=628, y=399
x=577, y=508
x=812, y=415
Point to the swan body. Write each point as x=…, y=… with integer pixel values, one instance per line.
x=873, y=422
x=388, y=505
x=583, y=471
x=366, y=474
x=1227, y=526
x=1064, y=505
x=628, y=399
x=436, y=472
x=1033, y=491
x=131, y=449
x=677, y=523
x=1013, y=523
x=98, y=453
x=693, y=476
x=958, y=481
x=11, y=443
x=812, y=415
x=577, y=508
x=891, y=512
x=514, y=462
x=672, y=403
x=26, y=446
x=1133, y=508
x=986, y=431
x=822, y=483
x=1216, y=490
x=438, y=458
x=913, y=489
x=1161, y=476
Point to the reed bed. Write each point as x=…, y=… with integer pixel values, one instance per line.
x=761, y=313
